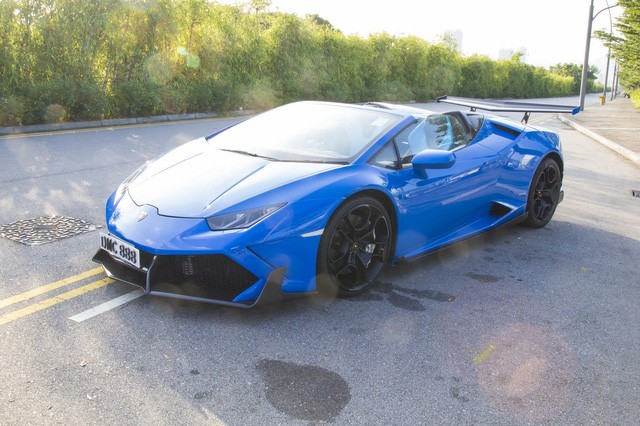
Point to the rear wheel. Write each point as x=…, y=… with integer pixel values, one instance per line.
x=544, y=194
x=354, y=247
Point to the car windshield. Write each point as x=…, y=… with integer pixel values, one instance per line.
x=307, y=131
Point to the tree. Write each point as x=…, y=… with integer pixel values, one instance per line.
x=78, y=59
x=479, y=77
x=318, y=20
x=575, y=71
x=627, y=48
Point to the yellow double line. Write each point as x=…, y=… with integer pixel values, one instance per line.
x=47, y=303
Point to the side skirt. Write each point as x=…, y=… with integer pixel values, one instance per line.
x=515, y=220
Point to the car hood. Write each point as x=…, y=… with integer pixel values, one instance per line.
x=197, y=180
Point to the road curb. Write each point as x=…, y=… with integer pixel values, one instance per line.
x=627, y=153
x=75, y=125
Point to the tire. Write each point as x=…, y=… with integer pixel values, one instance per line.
x=544, y=194
x=355, y=245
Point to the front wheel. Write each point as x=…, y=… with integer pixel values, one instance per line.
x=544, y=194
x=354, y=247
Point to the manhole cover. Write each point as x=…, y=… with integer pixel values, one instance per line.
x=45, y=229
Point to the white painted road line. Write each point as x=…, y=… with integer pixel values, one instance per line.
x=107, y=306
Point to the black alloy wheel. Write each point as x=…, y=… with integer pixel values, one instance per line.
x=544, y=194
x=354, y=247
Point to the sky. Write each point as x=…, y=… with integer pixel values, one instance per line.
x=551, y=31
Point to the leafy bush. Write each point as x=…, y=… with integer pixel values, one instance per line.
x=136, y=98
x=211, y=96
x=11, y=111
x=175, y=97
x=259, y=96
x=596, y=88
x=556, y=85
x=80, y=100
x=444, y=71
x=479, y=78
x=393, y=91
x=55, y=113
x=89, y=102
x=635, y=97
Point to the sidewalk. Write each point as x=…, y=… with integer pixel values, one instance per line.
x=616, y=124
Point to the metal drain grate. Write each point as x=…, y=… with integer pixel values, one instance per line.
x=636, y=193
x=45, y=229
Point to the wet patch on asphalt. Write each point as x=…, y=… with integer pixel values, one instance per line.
x=401, y=297
x=202, y=395
x=458, y=390
x=482, y=278
x=304, y=392
x=458, y=393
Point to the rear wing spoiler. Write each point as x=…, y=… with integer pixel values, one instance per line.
x=509, y=106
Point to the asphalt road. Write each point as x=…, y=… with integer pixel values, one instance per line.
x=518, y=326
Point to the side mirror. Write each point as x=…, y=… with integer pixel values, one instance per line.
x=432, y=159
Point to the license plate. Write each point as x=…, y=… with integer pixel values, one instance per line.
x=120, y=249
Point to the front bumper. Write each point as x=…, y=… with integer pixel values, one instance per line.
x=212, y=278
x=183, y=258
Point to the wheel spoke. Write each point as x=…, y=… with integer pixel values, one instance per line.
x=346, y=274
x=339, y=247
x=359, y=217
x=368, y=236
x=341, y=237
x=364, y=258
x=542, y=209
x=339, y=259
x=342, y=234
x=351, y=274
x=381, y=231
x=551, y=175
x=539, y=206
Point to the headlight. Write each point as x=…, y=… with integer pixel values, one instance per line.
x=241, y=220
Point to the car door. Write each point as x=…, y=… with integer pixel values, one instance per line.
x=442, y=201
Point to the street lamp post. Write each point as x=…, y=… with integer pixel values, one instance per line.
x=614, y=83
x=606, y=77
x=585, y=65
x=606, y=73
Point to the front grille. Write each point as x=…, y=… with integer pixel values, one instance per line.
x=212, y=276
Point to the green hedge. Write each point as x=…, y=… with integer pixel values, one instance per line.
x=57, y=100
x=184, y=56
x=635, y=97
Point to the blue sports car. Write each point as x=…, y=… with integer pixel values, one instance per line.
x=317, y=196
